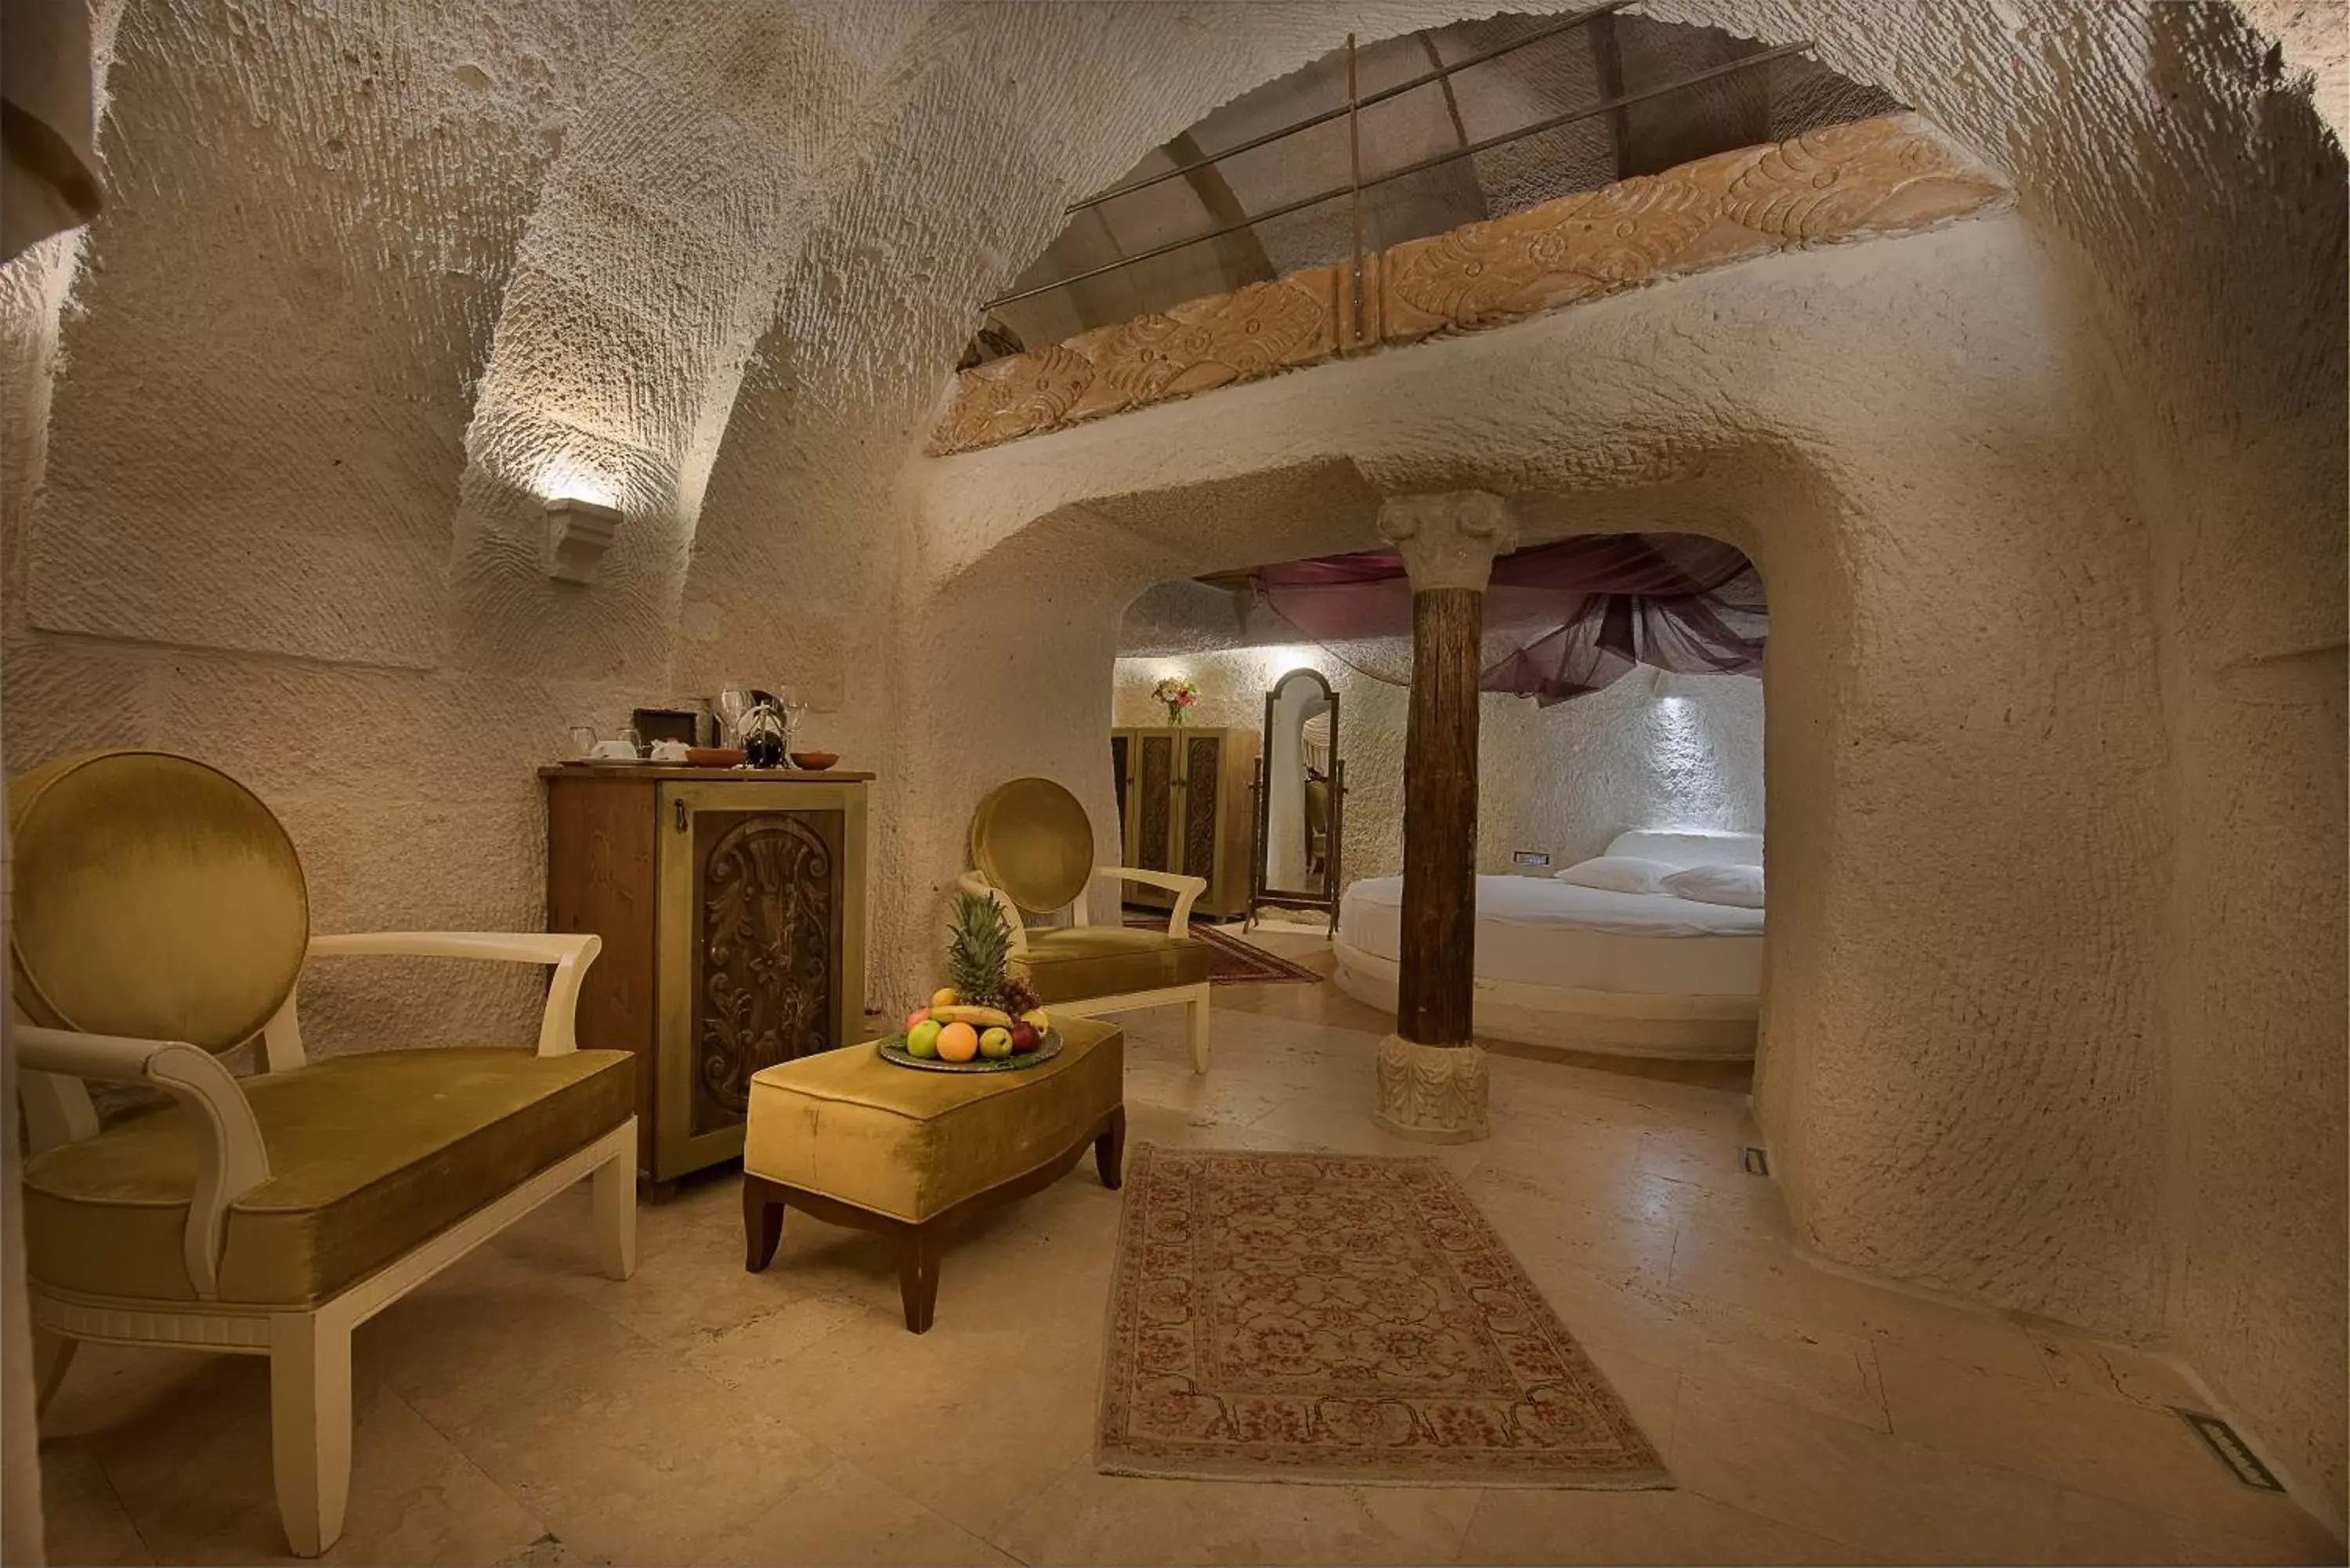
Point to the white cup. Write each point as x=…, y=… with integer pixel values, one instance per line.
x=614, y=752
x=669, y=750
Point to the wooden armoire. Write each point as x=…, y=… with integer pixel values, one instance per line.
x=1184, y=807
x=732, y=906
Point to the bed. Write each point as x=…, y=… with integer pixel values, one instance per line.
x=1631, y=973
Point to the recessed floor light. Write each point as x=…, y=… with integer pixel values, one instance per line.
x=2231, y=1449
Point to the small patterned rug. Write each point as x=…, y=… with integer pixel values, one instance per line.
x=1231, y=960
x=1340, y=1319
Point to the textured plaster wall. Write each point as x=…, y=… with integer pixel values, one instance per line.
x=1565, y=779
x=254, y=450
x=2056, y=563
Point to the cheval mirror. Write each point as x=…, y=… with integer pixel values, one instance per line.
x=1301, y=792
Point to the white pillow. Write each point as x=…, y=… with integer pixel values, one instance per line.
x=1618, y=873
x=1689, y=847
x=1738, y=887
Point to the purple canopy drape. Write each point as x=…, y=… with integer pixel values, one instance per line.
x=1562, y=620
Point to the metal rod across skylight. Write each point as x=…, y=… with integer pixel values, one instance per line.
x=1469, y=150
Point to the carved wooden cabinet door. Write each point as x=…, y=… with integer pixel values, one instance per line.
x=1121, y=783
x=762, y=938
x=1198, y=805
x=767, y=900
x=1155, y=804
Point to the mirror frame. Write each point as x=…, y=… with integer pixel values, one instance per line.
x=1261, y=893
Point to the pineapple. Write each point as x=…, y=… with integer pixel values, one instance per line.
x=978, y=952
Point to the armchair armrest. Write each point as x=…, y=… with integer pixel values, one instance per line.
x=569, y=954
x=1185, y=888
x=231, y=1159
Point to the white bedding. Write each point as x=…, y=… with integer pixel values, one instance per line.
x=1540, y=931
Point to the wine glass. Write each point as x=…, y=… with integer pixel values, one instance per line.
x=794, y=707
x=733, y=706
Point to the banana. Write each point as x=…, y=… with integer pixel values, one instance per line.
x=977, y=1017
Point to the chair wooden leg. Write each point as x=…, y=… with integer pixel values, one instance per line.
x=1197, y=1010
x=1109, y=1151
x=310, y=1426
x=52, y=1354
x=763, y=1225
x=917, y=1275
x=616, y=1216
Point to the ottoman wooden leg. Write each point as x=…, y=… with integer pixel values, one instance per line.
x=918, y=1274
x=762, y=1223
x=1109, y=1151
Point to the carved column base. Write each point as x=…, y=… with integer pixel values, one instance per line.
x=1436, y=1094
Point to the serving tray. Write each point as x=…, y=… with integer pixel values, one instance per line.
x=893, y=1050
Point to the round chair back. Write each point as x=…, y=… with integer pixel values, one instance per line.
x=1030, y=838
x=155, y=897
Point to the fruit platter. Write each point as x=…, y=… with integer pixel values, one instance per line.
x=985, y=1019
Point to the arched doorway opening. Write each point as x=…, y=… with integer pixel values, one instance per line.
x=1621, y=745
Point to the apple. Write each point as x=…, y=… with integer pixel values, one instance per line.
x=1024, y=1037
x=943, y=997
x=915, y=1019
x=922, y=1040
x=995, y=1045
x=958, y=1042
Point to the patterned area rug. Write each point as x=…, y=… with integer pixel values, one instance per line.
x=1340, y=1319
x=1231, y=960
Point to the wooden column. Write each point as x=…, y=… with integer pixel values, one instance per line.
x=1439, y=818
x=1431, y=1076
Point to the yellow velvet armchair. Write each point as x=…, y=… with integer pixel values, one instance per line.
x=1034, y=851
x=160, y=919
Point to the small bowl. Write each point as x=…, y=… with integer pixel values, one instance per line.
x=714, y=756
x=815, y=762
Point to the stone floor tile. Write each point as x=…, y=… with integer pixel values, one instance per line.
x=1888, y=1495
x=843, y=1516
x=2140, y=1455
x=2079, y=1365
x=197, y=1485
x=1023, y=1398
x=1517, y=1526
x=2295, y=1538
x=1770, y=1277
x=87, y=1523
x=1085, y=1517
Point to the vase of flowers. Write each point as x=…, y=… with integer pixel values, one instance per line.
x=1176, y=695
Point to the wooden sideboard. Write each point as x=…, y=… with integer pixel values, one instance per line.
x=1183, y=803
x=732, y=906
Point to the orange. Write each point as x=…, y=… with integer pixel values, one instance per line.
x=958, y=1042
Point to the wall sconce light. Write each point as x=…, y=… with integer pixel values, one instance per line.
x=578, y=533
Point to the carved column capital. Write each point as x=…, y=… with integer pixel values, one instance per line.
x=1449, y=538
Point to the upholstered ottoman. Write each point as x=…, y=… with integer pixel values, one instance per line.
x=856, y=1140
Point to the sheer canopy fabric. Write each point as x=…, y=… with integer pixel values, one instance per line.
x=1562, y=620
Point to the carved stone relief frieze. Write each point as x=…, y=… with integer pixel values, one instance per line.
x=1888, y=176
